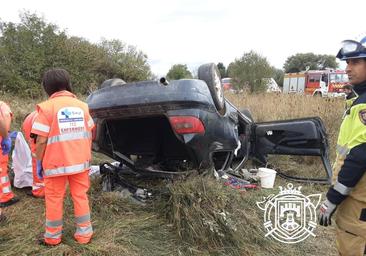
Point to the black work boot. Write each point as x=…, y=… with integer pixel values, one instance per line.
x=12, y=201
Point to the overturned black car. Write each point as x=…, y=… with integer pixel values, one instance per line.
x=161, y=128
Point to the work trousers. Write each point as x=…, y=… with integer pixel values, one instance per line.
x=5, y=187
x=38, y=184
x=55, y=188
x=351, y=227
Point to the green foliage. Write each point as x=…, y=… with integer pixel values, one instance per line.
x=33, y=46
x=278, y=75
x=124, y=61
x=23, y=51
x=179, y=71
x=248, y=72
x=302, y=61
x=222, y=69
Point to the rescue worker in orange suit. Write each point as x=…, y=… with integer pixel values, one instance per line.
x=7, y=197
x=38, y=184
x=63, y=145
x=347, y=194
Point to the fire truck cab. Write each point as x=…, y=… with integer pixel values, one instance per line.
x=325, y=83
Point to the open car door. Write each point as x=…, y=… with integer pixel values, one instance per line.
x=306, y=137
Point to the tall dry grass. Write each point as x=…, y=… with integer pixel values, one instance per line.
x=198, y=216
x=270, y=107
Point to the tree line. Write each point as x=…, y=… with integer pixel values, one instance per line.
x=30, y=47
x=248, y=71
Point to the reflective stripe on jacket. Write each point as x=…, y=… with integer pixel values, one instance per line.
x=67, y=124
x=350, y=165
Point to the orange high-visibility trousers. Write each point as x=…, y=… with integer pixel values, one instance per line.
x=5, y=187
x=38, y=184
x=55, y=188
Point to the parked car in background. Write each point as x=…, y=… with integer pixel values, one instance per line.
x=271, y=85
x=167, y=128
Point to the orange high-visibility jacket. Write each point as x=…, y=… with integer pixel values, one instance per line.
x=27, y=125
x=67, y=124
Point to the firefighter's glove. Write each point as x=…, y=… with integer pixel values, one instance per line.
x=325, y=213
x=39, y=169
x=6, y=145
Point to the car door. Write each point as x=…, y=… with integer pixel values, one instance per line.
x=305, y=137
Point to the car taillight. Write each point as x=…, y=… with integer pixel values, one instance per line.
x=186, y=124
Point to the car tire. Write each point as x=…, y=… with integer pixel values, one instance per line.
x=247, y=113
x=112, y=82
x=318, y=94
x=211, y=75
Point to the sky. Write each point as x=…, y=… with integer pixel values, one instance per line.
x=194, y=32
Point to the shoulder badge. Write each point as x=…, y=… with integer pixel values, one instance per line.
x=362, y=115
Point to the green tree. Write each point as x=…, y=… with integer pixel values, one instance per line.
x=179, y=71
x=29, y=48
x=278, y=75
x=222, y=69
x=249, y=71
x=124, y=61
x=302, y=61
x=24, y=50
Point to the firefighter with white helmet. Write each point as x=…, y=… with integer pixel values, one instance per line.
x=347, y=195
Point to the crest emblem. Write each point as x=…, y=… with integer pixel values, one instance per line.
x=362, y=115
x=290, y=217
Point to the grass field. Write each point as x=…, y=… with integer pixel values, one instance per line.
x=197, y=216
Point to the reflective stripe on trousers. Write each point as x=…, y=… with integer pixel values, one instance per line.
x=6, y=190
x=84, y=227
x=53, y=229
x=82, y=219
x=84, y=231
x=5, y=184
x=56, y=235
x=5, y=187
x=4, y=179
x=54, y=223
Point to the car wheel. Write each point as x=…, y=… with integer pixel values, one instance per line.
x=318, y=94
x=211, y=75
x=247, y=113
x=112, y=82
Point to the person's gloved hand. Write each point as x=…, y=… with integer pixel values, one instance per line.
x=39, y=169
x=13, y=134
x=6, y=145
x=325, y=213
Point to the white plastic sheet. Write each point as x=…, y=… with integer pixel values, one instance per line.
x=22, y=163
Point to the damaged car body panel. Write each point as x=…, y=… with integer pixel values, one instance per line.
x=151, y=123
x=304, y=136
x=165, y=129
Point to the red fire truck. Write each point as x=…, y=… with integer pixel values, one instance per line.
x=325, y=83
